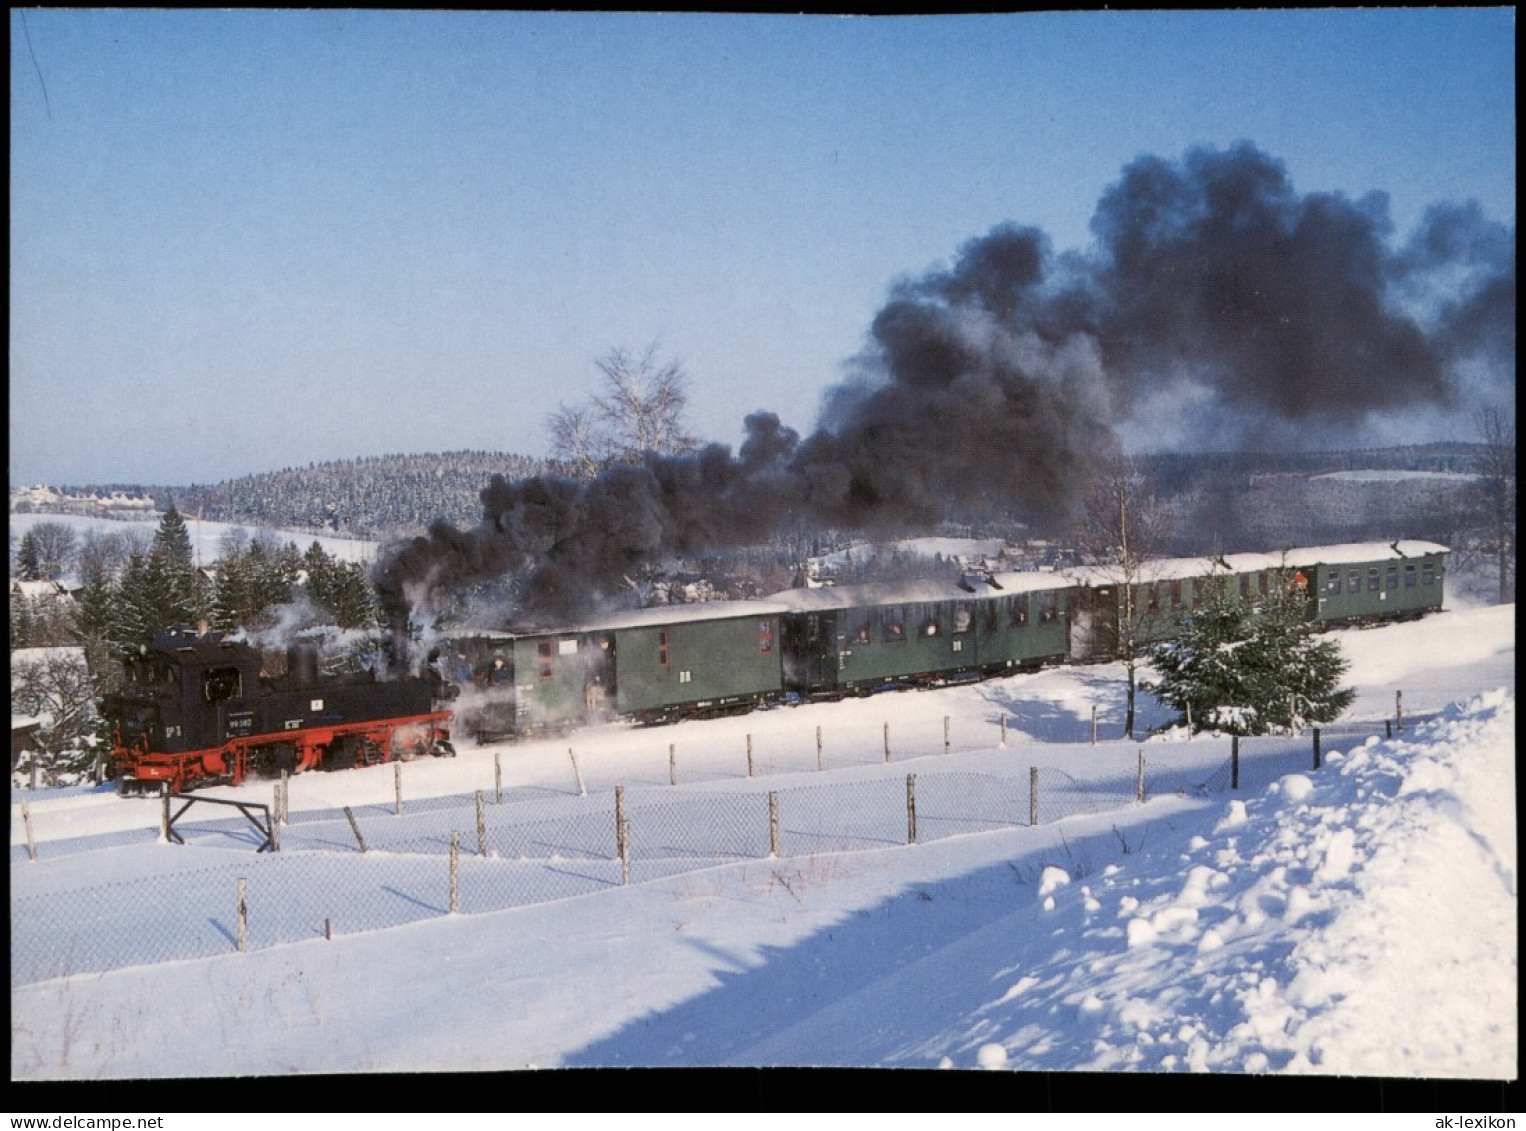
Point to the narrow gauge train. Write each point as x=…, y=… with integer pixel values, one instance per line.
x=194, y=710
x=661, y=664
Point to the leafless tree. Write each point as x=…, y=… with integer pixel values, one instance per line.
x=639, y=409
x=54, y=685
x=1493, y=496
x=1124, y=526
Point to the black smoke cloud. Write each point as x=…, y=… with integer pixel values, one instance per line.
x=1000, y=378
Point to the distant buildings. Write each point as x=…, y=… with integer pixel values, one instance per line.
x=42, y=499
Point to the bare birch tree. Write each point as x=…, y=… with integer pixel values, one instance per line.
x=639, y=409
x=1124, y=525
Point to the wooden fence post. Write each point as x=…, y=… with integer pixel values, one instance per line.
x=1094, y=724
x=355, y=828
x=773, y=824
x=1388, y=728
x=1139, y=780
x=243, y=915
x=34, y=773
x=1189, y=722
x=1033, y=795
x=31, y=843
x=672, y=764
x=275, y=832
x=1398, y=710
x=164, y=815
x=397, y=789
x=285, y=799
x=818, y=749
x=620, y=821
x=1316, y=748
x=1234, y=761
x=749, y=755
x=945, y=735
x=328, y=929
x=1004, y=731
x=577, y=773
x=497, y=777
x=455, y=870
x=887, y=744
x=911, y=808
x=481, y=828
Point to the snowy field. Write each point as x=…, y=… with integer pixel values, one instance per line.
x=206, y=537
x=1358, y=920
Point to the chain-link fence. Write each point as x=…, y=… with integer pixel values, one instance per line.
x=382, y=865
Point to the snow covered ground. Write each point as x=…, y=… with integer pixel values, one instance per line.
x=1356, y=920
x=206, y=537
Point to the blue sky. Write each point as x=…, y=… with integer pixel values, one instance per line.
x=250, y=240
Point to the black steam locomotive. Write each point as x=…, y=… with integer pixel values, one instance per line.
x=196, y=710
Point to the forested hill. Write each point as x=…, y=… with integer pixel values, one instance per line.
x=371, y=497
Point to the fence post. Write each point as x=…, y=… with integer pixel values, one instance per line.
x=1316, y=748
x=773, y=824
x=34, y=773
x=911, y=808
x=672, y=764
x=164, y=815
x=749, y=755
x=818, y=749
x=328, y=929
x=1139, y=780
x=397, y=789
x=887, y=744
x=355, y=828
x=243, y=915
x=1004, y=732
x=577, y=773
x=945, y=735
x=1388, y=728
x=455, y=870
x=1234, y=761
x=1094, y=724
x=285, y=799
x=1189, y=722
x=275, y=832
x=497, y=777
x=1398, y=710
x=481, y=828
x=620, y=822
x=1033, y=795
x=625, y=852
x=26, y=819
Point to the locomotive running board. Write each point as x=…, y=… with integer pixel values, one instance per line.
x=247, y=808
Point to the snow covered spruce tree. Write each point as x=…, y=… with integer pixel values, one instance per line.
x=1250, y=669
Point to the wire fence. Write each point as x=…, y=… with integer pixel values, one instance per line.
x=378, y=866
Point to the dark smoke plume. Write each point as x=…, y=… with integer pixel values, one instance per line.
x=1000, y=379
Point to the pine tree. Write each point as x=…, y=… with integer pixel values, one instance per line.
x=1253, y=670
x=1199, y=671
x=28, y=558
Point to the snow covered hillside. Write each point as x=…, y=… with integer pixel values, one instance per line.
x=1358, y=919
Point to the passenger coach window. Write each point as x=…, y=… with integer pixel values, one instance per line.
x=1409, y=577
x=1428, y=574
x=545, y=662
x=1372, y=580
x=1354, y=581
x=765, y=637
x=1049, y=607
x=1333, y=583
x=662, y=648
x=1019, y=611
x=1392, y=580
x=893, y=624
x=962, y=617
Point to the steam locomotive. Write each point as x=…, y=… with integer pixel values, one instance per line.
x=195, y=709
